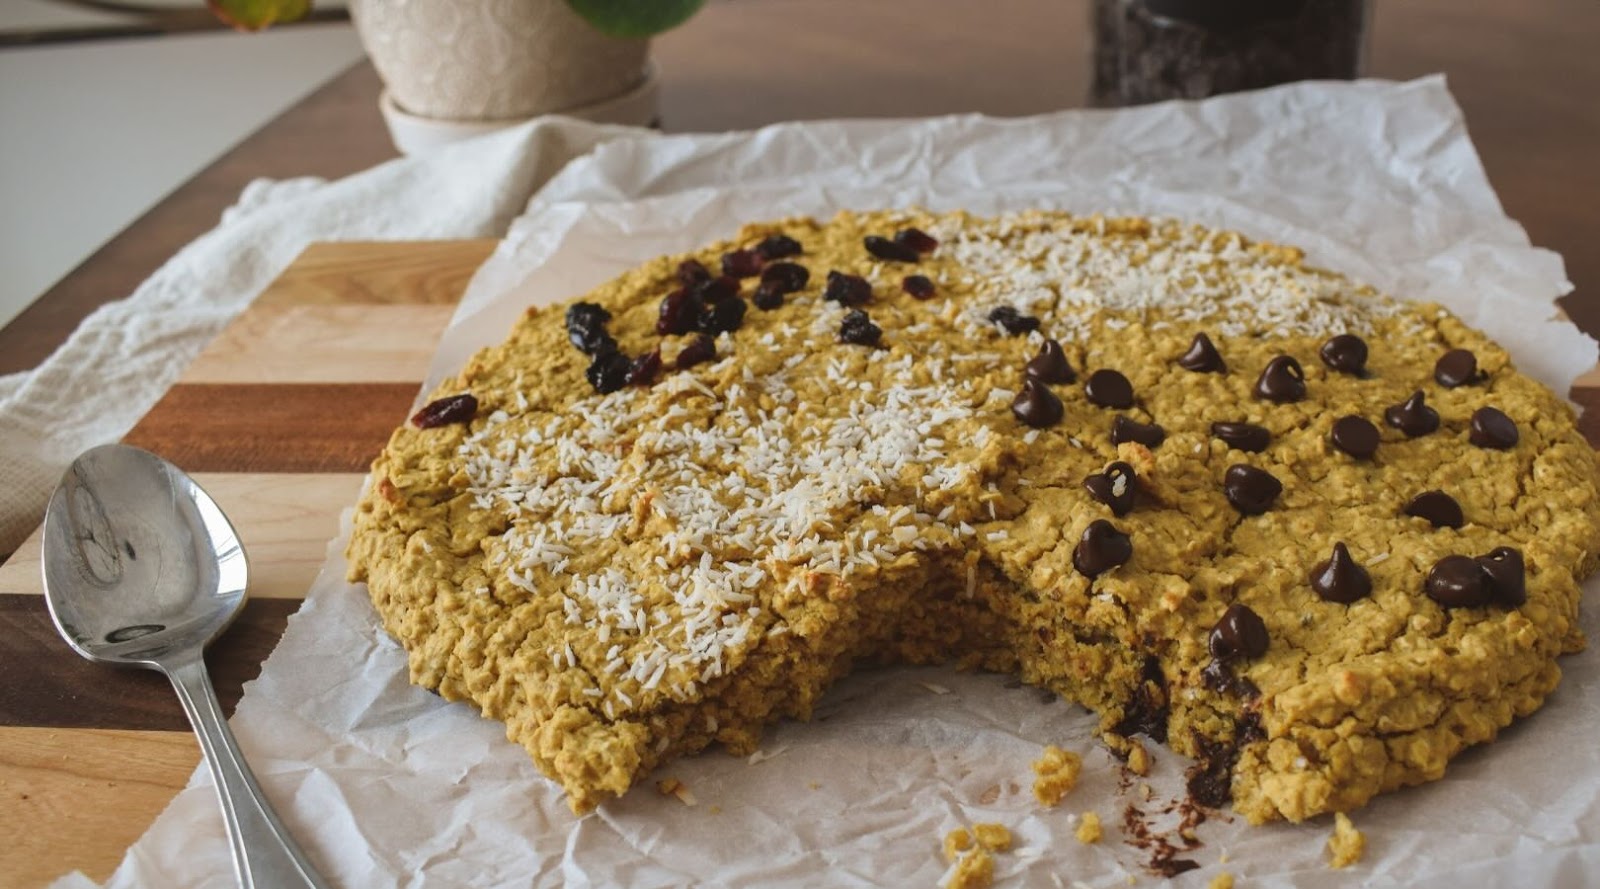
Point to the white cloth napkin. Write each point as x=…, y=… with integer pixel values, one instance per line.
x=126, y=354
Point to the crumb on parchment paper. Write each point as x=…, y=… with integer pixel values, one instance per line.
x=1089, y=830
x=969, y=851
x=1057, y=770
x=1223, y=880
x=674, y=787
x=1346, y=844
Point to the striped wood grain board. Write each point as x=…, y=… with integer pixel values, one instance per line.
x=278, y=419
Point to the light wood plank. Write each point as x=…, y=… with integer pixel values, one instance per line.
x=285, y=520
x=77, y=798
x=278, y=343
x=379, y=272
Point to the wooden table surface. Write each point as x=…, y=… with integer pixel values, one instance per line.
x=89, y=756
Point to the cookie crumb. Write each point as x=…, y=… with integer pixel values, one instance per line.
x=1346, y=844
x=956, y=842
x=994, y=837
x=975, y=870
x=674, y=787
x=1138, y=759
x=1089, y=831
x=1223, y=880
x=1057, y=772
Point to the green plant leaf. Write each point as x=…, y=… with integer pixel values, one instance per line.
x=635, y=18
x=253, y=15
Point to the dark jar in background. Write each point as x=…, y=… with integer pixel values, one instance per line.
x=1151, y=50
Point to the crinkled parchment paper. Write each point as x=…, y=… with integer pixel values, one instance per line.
x=389, y=786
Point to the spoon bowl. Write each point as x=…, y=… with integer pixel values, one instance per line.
x=142, y=569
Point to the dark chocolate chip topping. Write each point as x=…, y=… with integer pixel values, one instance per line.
x=1244, y=436
x=1108, y=388
x=1438, y=508
x=1282, y=381
x=857, y=329
x=1202, y=356
x=1050, y=365
x=1013, y=322
x=1250, y=490
x=1341, y=579
x=1101, y=548
x=1114, y=487
x=1491, y=428
x=450, y=409
x=1507, y=576
x=1458, y=582
x=1240, y=633
x=1151, y=435
x=1345, y=353
x=1457, y=367
x=1036, y=405
x=1355, y=436
x=1412, y=416
x=893, y=251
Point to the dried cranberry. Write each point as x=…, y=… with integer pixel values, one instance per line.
x=1012, y=321
x=916, y=239
x=858, y=330
x=644, y=369
x=586, y=328
x=444, y=411
x=692, y=272
x=608, y=372
x=720, y=314
x=919, y=286
x=787, y=277
x=677, y=313
x=741, y=264
x=894, y=251
x=768, y=297
x=777, y=247
x=849, y=290
x=701, y=348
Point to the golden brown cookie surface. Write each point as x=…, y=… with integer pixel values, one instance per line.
x=627, y=577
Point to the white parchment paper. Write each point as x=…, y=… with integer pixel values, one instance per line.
x=388, y=786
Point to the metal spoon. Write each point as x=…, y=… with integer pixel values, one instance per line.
x=142, y=569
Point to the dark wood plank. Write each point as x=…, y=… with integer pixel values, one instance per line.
x=43, y=683
x=305, y=427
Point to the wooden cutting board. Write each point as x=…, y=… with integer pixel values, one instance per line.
x=278, y=419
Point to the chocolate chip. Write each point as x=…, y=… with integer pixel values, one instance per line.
x=692, y=272
x=644, y=369
x=1050, y=365
x=1012, y=321
x=1241, y=633
x=1151, y=435
x=700, y=349
x=1282, y=381
x=1355, y=436
x=1340, y=579
x=1114, y=487
x=1438, y=508
x=778, y=247
x=1101, y=548
x=586, y=328
x=1244, y=436
x=1412, y=416
x=858, y=330
x=741, y=264
x=919, y=286
x=447, y=410
x=1507, y=576
x=916, y=239
x=1219, y=677
x=1345, y=353
x=1491, y=428
x=1250, y=490
x=608, y=372
x=847, y=290
x=1458, y=582
x=1108, y=388
x=1036, y=405
x=786, y=277
x=894, y=251
x=1202, y=356
x=1457, y=367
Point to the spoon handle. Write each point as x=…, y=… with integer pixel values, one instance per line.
x=264, y=855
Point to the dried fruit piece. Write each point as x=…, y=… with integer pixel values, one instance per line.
x=699, y=350
x=1012, y=321
x=586, y=328
x=919, y=286
x=444, y=411
x=692, y=272
x=778, y=247
x=608, y=372
x=741, y=264
x=847, y=290
x=893, y=251
x=858, y=330
x=644, y=369
x=916, y=239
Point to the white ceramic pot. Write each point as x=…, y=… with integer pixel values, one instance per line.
x=478, y=64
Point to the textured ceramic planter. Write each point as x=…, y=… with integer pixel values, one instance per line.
x=480, y=62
